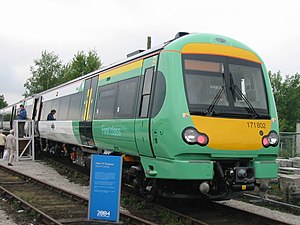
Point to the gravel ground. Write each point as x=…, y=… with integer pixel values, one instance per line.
x=284, y=217
x=4, y=218
x=47, y=174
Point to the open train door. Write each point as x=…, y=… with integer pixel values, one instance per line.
x=13, y=116
x=85, y=124
x=37, y=109
x=142, y=123
x=36, y=113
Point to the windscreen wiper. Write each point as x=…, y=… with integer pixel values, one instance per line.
x=215, y=101
x=217, y=98
x=235, y=89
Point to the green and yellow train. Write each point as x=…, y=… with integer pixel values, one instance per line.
x=194, y=117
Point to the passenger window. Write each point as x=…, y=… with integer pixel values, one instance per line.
x=46, y=109
x=126, y=98
x=74, y=107
x=55, y=105
x=29, y=111
x=106, y=102
x=63, y=108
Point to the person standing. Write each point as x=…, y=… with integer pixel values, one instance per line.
x=51, y=144
x=22, y=115
x=2, y=143
x=51, y=115
x=11, y=146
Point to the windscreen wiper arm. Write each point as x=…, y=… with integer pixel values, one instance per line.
x=235, y=89
x=215, y=101
x=217, y=98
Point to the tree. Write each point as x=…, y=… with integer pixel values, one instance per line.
x=3, y=103
x=46, y=73
x=80, y=65
x=287, y=97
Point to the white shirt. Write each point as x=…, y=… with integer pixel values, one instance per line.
x=11, y=142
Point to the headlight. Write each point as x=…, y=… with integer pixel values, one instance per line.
x=191, y=136
x=271, y=139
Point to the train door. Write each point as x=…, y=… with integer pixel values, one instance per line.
x=142, y=123
x=36, y=111
x=85, y=125
x=13, y=116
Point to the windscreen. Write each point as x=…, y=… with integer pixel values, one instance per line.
x=224, y=86
x=249, y=80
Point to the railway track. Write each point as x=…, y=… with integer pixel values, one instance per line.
x=266, y=201
x=50, y=204
x=155, y=211
x=196, y=213
x=215, y=213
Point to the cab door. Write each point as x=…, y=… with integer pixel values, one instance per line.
x=85, y=124
x=142, y=123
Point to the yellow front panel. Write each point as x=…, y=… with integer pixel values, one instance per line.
x=233, y=134
x=215, y=49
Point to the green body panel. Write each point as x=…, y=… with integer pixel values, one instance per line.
x=143, y=139
x=117, y=135
x=265, y=169
x=172, y=169
x=75, y=125
x=167, y=126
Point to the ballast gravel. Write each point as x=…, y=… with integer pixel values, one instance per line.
x=45, y=173
x=4, y=218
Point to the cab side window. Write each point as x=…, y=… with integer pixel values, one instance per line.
x=148, y=77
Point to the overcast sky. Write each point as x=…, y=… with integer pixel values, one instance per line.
x=115, y=28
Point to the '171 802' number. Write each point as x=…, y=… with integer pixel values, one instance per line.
x=256, y=125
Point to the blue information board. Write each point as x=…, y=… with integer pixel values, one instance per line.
x=105, y=187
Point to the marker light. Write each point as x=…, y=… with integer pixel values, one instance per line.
x=271, y=139
x=202, y=139
x=265, y=141
x=191, y=136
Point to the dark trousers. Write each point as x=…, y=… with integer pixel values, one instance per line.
x=1, y=150
x=21, y=129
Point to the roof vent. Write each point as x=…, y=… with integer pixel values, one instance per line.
x=181, y=34
x=134, y=53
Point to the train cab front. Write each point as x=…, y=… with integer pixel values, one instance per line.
x=224, y=138
x=234, y=120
